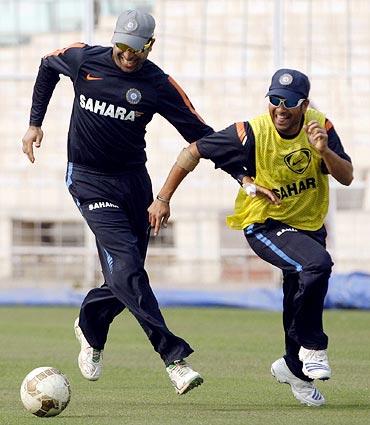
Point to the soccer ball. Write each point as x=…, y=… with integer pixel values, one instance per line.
x=45, y=391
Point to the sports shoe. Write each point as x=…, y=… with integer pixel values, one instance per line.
x=183, y=377
x=303, y=391
x=315, y=363
x=90, y=360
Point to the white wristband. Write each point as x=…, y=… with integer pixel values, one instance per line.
x=250, y=189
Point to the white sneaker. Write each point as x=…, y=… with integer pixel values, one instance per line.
x=315, y=363
x=90, y=360
x=303, y=391
x=183, y=377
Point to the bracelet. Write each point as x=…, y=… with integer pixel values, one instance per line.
x=166, y=201
x=250, y=189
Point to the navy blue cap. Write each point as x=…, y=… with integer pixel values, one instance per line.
x=289, y=84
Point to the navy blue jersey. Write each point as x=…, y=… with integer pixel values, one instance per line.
x=233, y=149
x=111, y=108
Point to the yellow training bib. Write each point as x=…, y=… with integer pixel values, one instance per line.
x=292, y=169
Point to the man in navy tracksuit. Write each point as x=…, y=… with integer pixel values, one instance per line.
x=117, y=92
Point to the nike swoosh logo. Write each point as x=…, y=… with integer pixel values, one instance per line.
x=90, y=77
x=297, y=162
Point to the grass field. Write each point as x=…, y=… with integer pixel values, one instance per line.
x=233, y=350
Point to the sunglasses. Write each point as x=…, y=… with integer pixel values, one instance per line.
x=126, y=48
x=278, y=101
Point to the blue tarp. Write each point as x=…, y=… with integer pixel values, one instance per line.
x=345, y=291
x=349, y=291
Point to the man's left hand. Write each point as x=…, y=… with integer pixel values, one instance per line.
x=317, y=136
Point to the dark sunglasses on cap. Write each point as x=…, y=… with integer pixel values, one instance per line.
x=278, y=101
x=126, y=48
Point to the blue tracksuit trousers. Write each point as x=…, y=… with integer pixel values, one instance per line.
x=306, y=267
x=115, y=208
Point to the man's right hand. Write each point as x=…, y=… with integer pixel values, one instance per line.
x=261, y=191
x=268, y=194
x=159, y=213
x=33, y=136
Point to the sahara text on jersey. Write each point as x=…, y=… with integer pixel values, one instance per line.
x=295, y=188
x=107, y=110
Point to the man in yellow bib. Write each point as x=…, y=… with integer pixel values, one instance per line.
x=281, y=160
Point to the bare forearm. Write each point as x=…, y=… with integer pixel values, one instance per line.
x=178, y=173
x=339, y=168
x=159, y=210
x=175, y=177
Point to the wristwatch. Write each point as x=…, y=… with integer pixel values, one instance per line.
x=250, y=189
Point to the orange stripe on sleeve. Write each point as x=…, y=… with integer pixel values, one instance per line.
x=185, y=98
x=328, y=125
x=240, y=129
x=61, y=51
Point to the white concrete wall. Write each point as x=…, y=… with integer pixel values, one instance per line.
x=221, y=52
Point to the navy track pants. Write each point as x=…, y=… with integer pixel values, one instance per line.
x=306, y=267
x=115, y=208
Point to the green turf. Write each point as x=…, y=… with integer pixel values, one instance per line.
x=234, y=351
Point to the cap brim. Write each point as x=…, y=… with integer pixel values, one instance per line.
x=292, y=97
x=132, y=41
